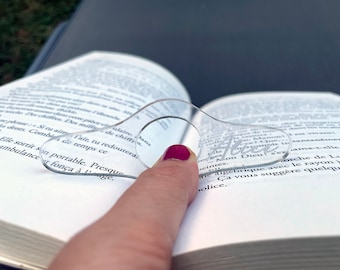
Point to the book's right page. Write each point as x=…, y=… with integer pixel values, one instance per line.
x=298, y=197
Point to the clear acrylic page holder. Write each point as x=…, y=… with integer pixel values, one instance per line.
x=130, y=146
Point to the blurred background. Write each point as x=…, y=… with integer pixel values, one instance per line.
x=25, y=25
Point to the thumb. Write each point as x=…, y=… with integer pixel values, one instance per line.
x=140, y=230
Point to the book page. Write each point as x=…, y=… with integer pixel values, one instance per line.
x=86, y=93
x=298, y=197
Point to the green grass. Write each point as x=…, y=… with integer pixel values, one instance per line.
x=24, y=27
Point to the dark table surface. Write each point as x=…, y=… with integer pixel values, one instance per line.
x=216, y=47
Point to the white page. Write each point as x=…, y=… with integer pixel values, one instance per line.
x=298, y=197
x=90, y=92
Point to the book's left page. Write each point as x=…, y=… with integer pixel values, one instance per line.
x=89, y=92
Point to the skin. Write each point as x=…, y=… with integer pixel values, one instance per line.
x=139, y=231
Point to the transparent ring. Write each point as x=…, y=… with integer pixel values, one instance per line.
x=128, y=147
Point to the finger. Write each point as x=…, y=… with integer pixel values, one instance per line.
x=140, y=230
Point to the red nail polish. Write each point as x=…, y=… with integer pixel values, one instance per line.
x=177, y=151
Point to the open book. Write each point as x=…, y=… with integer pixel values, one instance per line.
x=283, y=213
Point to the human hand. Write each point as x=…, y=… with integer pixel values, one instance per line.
x=140, y=229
